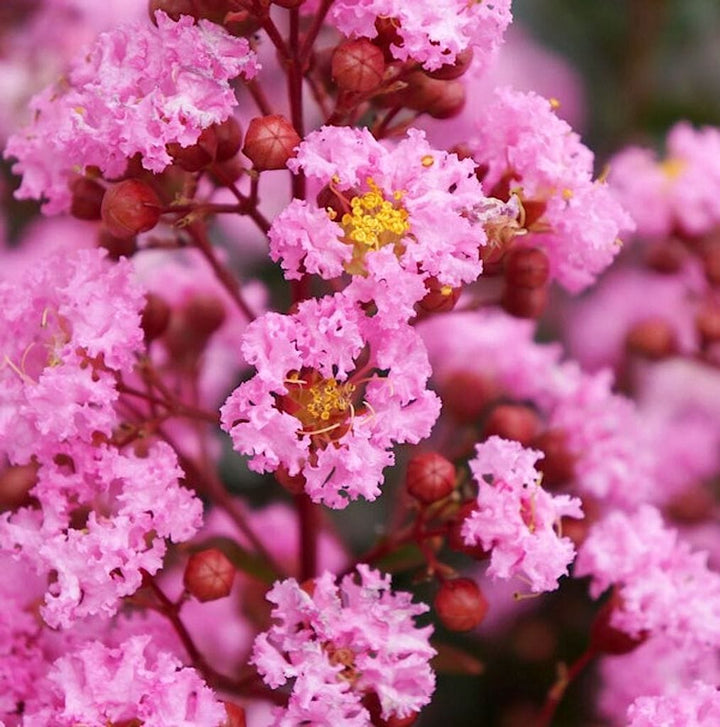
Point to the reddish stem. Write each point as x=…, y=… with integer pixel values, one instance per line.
x=308, y=517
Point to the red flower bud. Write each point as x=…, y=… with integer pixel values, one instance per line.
x=455, y=539
x=87, y=197
x=653, y=338
x=197, y=156
x=228, y=135
x=117, y=247
x=440, y=99
x=460, y=604
x=209, y=575
x=465, y=394
x=270, y=141
x=525, y=302
x=130, y=207
x=16, y=481
x=558, y=465
x=450, y=71
x=513, y=421
x=707, y=322
x=527, y=267
x=430, y=477
x=439, y=298
x=605, y=638
x=155, y=317
x=358, y=66
x=204, y=314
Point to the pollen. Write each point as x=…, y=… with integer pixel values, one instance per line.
x=428, y=160
x=328, y=399
x=673, y=167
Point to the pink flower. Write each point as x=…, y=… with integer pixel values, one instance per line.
x=139, y=88
x=432, y=33
x=530, y=152
x=333, y=392
x=98, y=685
x=339, y=644
x=516, y=518
x=409, y=205
x=697, y=706
x=664, y=587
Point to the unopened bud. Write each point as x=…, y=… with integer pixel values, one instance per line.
x=172, y=8
x=455, y=539
x=440, y=99
x=117, y=247
x=527, y=267
x=558, y=464
x=358, y=66
x=450, y=71
x=228, y=136
x=653, y=338
x=707, y=322
x=439, y=298
x=430, y=477
x=16, y=481
x=606, y=638
x=460, y=604
x=387, y=36
x=667, y=256
x=130, y=207
x=87, y=197
x=466, y=394
x=204, y=314
x=270, y=141
x=209, y=575
x=513, y=421
x=197, y=156
x=155, y=317
x=525, y=302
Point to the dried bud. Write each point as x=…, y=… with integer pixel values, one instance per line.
x=653, y=338
x=513, y=421
x=466, y=394
x=430, y=477
x=117, y=247
x=526, y=267
x=525, y=302
x=199, y=155
x=439, y=298
x=270, y=141
x=155, y=317
x=558, y=465
x=358, y=66
x=460, y=604
x=130, y=207
x=209, y=575
x=228, y=136
x=87, y=197
x=450, y=71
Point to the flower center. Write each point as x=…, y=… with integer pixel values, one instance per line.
x=373, y=222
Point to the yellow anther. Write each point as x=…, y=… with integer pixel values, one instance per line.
x=446, y=290
x=554, y=104
x=673, y=167
x=567, y=194
x=428, y=160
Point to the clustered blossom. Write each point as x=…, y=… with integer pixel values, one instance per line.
x=333, y=392
x=697, y=706
x=135, y=682
x=529, y=152
x=431, y=33
x=678, y=194
x=663, y=586
x=139, y=88
x=516, y=518
x=400, y=215
x=341, y=643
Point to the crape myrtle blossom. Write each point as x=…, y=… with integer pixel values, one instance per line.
x=678, y=194
x=132, y=683
x=697, y=706
x=529, y=152
x=663, y=586
x=333, y=392
x=516, y=518
x=431, y=33
x=139, y=88
x=419, y=210
x=341, y=643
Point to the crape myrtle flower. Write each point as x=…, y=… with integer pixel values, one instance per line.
x=678, y=194
x=663, y=586
x=134, y=683
x=138, y=88
x=516, y=518
x=333, y=391
x=387, y=215
x=531, y=154
x=339, y=644
x=431, y=33
x=696, y=706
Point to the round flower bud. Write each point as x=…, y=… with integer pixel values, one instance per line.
x=460, y=604
x=525, y=302
x=440, y=99
x=707, y=322
x=270, y=141
x=209, y=575
x=117, y=247
x=605, y=638
x=358, y=66
x=228, y=137
x=130, y=207
x=466, y=394
x=653, y=338
x=16, y=481
x=513, y=421
x=450, y=71
x=455, y=539
x=527, y=267
x=204, y=314
x=155, y=317
x=430, y=477
x=199, y=155
x=87, y=197
x=387, y=36
x=558, y=464
x=667, y=256
x=439, y=298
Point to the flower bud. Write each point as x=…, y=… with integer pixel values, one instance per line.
x=526, y=267
x=558, y=464
x=695, y=504
x=605, y=638
x=439, y=298
x=87, y=197
x=228, y=136
x=209, y=575
x=197, y=156
x=130, y=207
x=466, y=394
x=440, y=99
x=525, y=302
x=172, y=8
x=270, y=141
x=16, y=481
x=455, y=539
x=450, y=71
x=460, y=604
x=155, y=317
x=204, y=314
x=430, y=477
x=387, y=36
x=653, y=338
x=358, y=66
x=667, y=256
x=513, y=421
x=117, y=247
x=707, y=322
